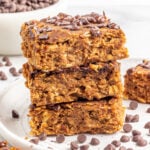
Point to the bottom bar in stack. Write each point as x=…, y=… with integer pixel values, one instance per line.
x=82, y=116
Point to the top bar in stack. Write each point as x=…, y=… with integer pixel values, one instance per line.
x=65, y=41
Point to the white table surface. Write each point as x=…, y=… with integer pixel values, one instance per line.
x=134, y=19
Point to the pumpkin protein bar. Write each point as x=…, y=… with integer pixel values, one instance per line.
x=103, y=116
x=95, y=81
x=64, y=41
x=137, y=83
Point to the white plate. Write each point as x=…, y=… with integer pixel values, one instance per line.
x=17, y=97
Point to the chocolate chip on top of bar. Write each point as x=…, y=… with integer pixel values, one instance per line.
x=92, y=21
x=74, y=23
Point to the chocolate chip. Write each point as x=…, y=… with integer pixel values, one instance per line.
x=132, y=118
x=116, y=143
x=122, y=148
x=74, y=145
x=136, y=132
x=7, y=6
x=95, y=31
x=148, y=110
x=32, y=106
x=135, y=118
x=113, y=26
x=42, y=137
x=142, y=142
x=3, y=76
x=136, y=138
x=8, y=63
x=35, y=140
x=81, y=138
x=110, y=147
x=147, y=125
x=1, y=64
x=127, y=128
x=60, y=138
x=129, y=148
x=5, y=58
x=128, y=118
x=133, y=105
x=84, y=147
x=95, y=141
x=130, y=71
x=15, y=114
x=125, y=138
x=43, y=37
x=12, y=69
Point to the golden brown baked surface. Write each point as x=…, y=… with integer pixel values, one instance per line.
x=105, y=116
x=137, y=83
x=95, y=81
x=64, y=41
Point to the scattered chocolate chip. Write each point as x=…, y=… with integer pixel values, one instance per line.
x=135, y=118
x=133, y=105
x=116, y=143
x=148, y=110
x=60, y=138
x=128, y=118
x=136, y=132
x=13, y=6
x=3, y=76
x=15, y=114
x=147, y=125
x=110, y=147
x=142, y=142
x=8, y=63
x=84, y=147
x=12, y=69
x=81, y=138
x=125, y=138
x=122, y=148
x=132, y=118
x=1, y=64
x=136, y=138
x=129, y=148
x=95, y=141
x=127, y=128
x=74, y=145
x=43, y=37
x=5, y=58
x=35, y=140
x=42, y=137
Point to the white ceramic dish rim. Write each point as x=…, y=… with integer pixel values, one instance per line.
x=9, y=135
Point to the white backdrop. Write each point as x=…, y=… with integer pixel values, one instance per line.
x=132, y=16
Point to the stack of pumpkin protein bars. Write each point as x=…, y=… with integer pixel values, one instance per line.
x=73, y=75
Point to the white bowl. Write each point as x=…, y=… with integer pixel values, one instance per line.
x=10, y=25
